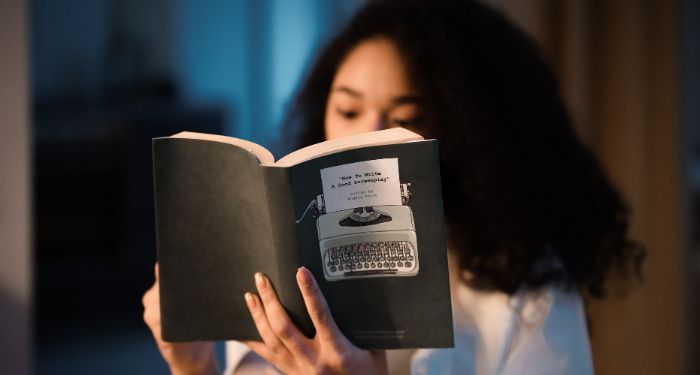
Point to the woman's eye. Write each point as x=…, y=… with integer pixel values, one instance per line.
x=403, y=122
x=404, y=115
x=348, y=115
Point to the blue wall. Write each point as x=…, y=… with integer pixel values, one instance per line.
x=246, y=56
x=106, y=76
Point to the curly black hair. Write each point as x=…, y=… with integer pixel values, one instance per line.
x=528, y=204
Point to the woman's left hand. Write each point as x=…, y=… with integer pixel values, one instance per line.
x=284, y=346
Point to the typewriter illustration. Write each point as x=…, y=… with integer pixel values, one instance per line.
x=368, y=241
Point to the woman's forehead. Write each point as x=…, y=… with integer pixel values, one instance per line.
x=373, y=68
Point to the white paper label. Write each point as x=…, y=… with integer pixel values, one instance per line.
x=365, y=183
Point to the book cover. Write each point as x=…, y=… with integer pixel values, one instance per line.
x=367, y=222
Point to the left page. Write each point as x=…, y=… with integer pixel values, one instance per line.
x=213, y=232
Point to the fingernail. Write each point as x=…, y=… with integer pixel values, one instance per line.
x=260, y=280
x=249, y=300
x=304, y=277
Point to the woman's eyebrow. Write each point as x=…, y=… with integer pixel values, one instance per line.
x=349, y=91
x=406, y=99
x=398, y=100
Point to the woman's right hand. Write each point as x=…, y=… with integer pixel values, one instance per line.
x=182, y=357
x=284, y=346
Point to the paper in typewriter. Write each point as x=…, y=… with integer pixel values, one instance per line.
x=361, y=184
x=375, y=243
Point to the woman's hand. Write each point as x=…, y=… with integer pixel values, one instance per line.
x=183, y=358
x=284, y=346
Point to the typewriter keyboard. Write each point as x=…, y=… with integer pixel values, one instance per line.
x=370, y=259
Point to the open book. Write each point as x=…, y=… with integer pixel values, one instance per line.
x=362, y=213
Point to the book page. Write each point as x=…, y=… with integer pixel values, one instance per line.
x=376, y=138
x=264, y=156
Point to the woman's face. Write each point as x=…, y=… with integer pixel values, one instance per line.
x=370, y=91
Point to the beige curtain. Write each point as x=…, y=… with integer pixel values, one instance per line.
x=619, y=66
x=15, y=192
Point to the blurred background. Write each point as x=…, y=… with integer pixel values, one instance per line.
x=86, y=84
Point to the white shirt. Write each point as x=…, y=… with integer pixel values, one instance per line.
x=532, y=332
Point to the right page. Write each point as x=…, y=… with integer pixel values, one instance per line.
x=370, y=228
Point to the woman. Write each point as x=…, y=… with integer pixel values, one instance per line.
x=532, y=222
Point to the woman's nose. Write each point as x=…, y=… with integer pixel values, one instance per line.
x=379, y=122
